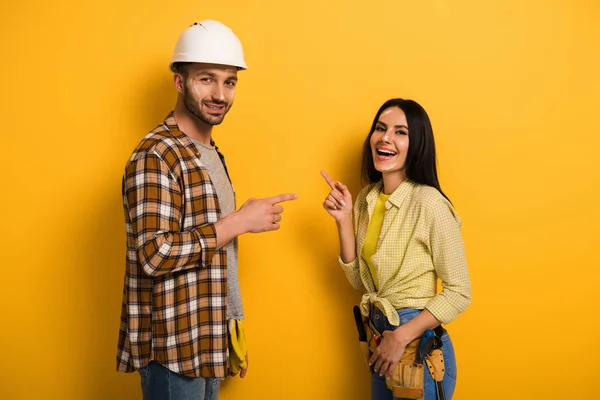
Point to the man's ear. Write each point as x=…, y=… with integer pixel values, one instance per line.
x=179, y=82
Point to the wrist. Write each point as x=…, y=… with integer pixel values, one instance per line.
x=344, y=221
x=238, y=222
x=403, y=335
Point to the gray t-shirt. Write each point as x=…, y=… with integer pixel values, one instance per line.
x=209, y=157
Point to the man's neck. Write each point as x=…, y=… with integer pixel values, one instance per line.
x=191, y=125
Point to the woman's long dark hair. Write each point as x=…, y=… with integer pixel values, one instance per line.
x=420, y=160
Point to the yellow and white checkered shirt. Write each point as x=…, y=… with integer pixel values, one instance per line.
x=419, y=242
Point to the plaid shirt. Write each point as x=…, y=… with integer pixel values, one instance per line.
x=420, y=241
x=174, y=307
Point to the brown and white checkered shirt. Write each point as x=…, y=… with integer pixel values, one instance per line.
x=174, y=307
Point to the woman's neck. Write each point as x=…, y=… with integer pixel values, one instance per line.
x=392, y=180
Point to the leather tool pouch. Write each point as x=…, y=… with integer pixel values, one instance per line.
x=408, y=379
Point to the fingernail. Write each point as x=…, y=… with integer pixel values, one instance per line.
x=343, y=203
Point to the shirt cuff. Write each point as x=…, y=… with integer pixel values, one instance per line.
x=442, y=310
x=348, y=267
x=207, y=236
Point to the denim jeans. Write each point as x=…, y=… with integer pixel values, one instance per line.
x=159, y=383
x=379, y=390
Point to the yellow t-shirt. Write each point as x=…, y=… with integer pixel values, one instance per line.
x=373, y=232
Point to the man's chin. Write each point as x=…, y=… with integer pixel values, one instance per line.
x=214, y=121
x=211, y=119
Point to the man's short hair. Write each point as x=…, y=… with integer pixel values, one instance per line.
x=181, y=68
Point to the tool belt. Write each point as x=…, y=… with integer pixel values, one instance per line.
x=408, y=378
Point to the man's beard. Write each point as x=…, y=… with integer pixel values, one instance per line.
x=195, y=108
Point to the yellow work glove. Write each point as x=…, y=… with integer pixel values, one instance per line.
x=237, y=346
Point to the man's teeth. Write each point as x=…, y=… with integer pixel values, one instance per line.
x=213, y=107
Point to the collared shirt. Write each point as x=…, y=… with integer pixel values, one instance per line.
x=419, y=242
x=175, y=291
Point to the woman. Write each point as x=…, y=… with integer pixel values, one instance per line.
x=404, y=235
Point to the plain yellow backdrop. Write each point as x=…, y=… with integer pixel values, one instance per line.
x=512, y=89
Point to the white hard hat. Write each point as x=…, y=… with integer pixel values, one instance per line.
x=209, y=42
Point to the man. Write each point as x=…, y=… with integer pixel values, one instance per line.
x=181, y=284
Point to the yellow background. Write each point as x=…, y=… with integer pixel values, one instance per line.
x=512, y=89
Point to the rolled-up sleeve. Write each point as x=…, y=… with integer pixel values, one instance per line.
x=154, y=206
x=449, y=260
x=352, y=272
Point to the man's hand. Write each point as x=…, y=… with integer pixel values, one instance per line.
x=243, y=371
x=263, y=215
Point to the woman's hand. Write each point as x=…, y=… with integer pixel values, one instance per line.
x=386, y=357
x=338, y=202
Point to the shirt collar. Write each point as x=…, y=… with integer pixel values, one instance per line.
x=396, y=198
x=185, y=140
